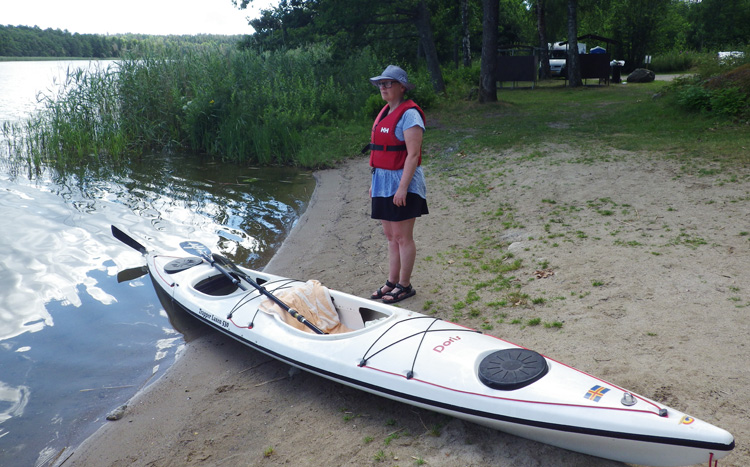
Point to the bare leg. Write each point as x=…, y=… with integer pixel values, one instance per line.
x=402, y=251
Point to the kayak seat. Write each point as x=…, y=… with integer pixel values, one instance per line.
x=313, y=301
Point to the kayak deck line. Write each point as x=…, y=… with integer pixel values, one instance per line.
x=367, y=356
x=410, y=374
x=510, y=399
x=461, y=410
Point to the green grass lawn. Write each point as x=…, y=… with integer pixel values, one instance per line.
x=632, y=117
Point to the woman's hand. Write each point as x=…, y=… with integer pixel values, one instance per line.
x=399, y=199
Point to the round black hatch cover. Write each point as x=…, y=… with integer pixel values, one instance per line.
x=181, y=264
x=511, y=369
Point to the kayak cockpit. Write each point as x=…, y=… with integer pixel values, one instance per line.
x=331, y=311
x=218, y=285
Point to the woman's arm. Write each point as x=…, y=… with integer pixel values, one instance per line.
x=413, y=140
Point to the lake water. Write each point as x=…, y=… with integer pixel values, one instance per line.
x=76, y=340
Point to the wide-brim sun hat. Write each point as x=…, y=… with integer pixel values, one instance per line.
x=395, y=73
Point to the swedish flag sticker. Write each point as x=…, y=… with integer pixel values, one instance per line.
x=595, y=394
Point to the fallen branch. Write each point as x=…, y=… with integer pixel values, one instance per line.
x=256, y=366
x=271, y=381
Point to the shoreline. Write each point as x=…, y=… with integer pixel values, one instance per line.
x=208, y=356
x=645, y=280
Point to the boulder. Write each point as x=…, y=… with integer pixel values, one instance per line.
x=641, y=75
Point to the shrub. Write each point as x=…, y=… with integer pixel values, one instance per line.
x=729, y=101
x=694, y=98
x=738, y=77
x=726, y=94
x=423, y=94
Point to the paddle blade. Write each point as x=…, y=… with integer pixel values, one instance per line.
x=197, y=249
x=132, y=273
x=128, y=240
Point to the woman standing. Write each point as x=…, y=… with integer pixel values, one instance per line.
x=398, y=190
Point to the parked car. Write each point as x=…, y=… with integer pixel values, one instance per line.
x=731, y=56
x=558, y=57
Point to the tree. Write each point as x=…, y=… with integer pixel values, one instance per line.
x=637, y=27
x=555, y=20
x=487, y=81
x=465, y=36
x=572, y=65
x=25, y=41
x=541, y=26
x=422, y=20
x=733, y=17
x=391, y=26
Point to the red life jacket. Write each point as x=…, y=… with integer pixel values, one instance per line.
x=387, y=151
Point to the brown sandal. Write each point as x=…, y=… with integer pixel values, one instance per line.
x=380, y=294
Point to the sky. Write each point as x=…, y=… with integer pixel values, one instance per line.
x=158, y=17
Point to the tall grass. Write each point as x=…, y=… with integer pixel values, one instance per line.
x=703, y=63
x=239, y=105
x=710, y=65
x=78, y=123
x=675, y=61
x=290, y=107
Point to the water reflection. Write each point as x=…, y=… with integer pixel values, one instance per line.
x=21, y=83
x=12, y=402
x=81, y=329
x=74, y=341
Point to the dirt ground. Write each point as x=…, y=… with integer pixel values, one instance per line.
x=631, y=267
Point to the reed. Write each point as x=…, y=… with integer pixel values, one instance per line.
x=244, y=106
x=76, y=125
x=241, y=106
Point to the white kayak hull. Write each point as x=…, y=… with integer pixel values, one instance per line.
x=444, y=367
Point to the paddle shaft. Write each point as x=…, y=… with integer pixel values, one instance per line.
x=226, y=273
x=295, y=314
x=203, y=252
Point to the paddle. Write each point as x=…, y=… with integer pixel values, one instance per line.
x=132, y=273
x=197, y=249
x=126, y=239
x=224, y=261
x=201, y=251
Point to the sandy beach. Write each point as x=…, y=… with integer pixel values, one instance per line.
x=631, y=267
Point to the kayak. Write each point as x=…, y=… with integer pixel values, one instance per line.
x=428, y=362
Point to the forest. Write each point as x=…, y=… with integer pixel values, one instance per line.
x=34, y=42
x=399, y=28
x=408, y=29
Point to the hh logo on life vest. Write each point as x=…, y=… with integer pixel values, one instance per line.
x=385, y=130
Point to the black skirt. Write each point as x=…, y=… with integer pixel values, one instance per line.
x=384, y=209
